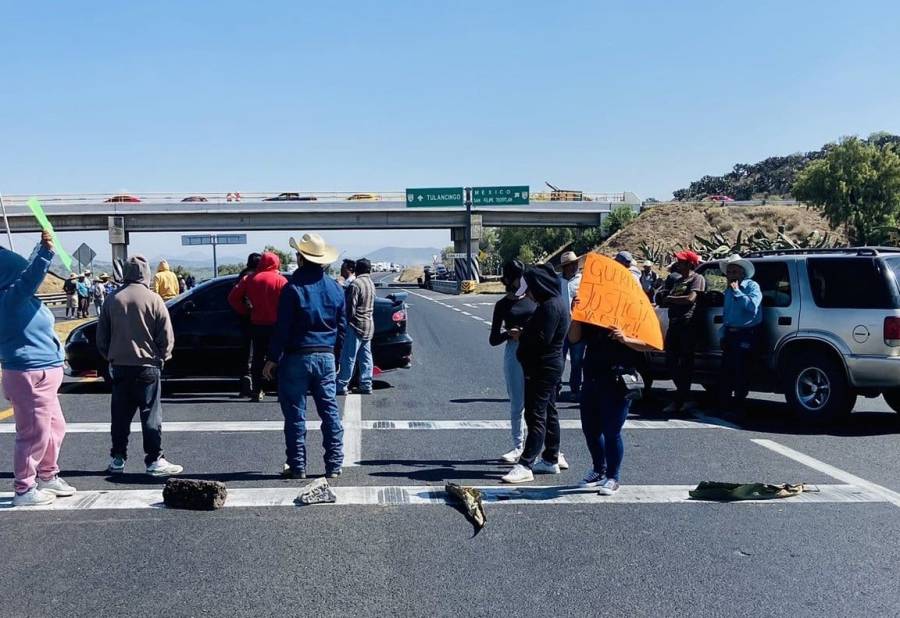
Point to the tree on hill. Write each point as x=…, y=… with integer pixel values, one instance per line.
x=617, y=219
x=771, y=176
x=856, y=185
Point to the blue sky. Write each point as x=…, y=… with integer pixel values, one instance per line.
x=604, y=96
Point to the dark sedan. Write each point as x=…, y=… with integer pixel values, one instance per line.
x=209, y=336
x=291, y=197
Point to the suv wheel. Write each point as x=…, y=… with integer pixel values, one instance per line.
x=817, y=390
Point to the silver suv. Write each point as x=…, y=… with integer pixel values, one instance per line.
x=831, y=328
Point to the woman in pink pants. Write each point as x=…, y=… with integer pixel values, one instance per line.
x=32, y=361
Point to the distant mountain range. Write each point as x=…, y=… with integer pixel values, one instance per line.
x=403, y=255
x=197, y=261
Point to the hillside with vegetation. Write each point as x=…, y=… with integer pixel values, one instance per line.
x=769, y=178
x=716, y=231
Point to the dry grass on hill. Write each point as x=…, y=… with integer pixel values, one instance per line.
x=675, y=225
x=52, y=284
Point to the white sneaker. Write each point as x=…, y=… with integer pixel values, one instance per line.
x=608, y=487
x=561, y=460
x=34, y=497
x=519, y=474
x=161, y=467
x=545, y=467
x=592, y=478
x=57, y=487
x=512, y=456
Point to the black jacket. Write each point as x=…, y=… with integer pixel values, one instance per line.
x=541, y=343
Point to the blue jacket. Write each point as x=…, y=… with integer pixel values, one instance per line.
x=743, y=309
x=27, y=339
x=312, y=315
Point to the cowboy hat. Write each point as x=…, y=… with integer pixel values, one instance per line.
x=749, y=270
x=567, y=258
x=313, y=249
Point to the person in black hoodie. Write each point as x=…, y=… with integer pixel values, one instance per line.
x=540, y=352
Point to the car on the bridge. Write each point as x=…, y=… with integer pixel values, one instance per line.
x=830, y=330
x=209, y=339
x=364, y=197
x=291, y=197
x=122, y=198
x=718, y=198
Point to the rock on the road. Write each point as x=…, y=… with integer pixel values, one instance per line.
x=194, y=495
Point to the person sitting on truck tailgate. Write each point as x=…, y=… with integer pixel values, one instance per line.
x=681, y=334
x=741, y=319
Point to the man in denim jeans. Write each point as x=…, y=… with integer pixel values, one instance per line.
x=360, y=297
x=311, y=323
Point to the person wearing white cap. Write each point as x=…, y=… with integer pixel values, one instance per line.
x=741, y=318
x=311, y=323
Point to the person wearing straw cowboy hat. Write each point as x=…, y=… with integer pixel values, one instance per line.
x=570, y=267
x=310, y=325
x=741, y=318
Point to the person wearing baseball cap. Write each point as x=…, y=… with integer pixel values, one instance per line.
x=625, y=259
x=682, y=333
x=310, y=325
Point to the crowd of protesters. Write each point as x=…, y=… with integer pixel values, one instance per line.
x=534, y=321
x=312, y=333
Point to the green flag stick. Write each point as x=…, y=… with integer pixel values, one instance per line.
x=39, y=214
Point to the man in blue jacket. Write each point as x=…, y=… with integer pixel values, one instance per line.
x=742, y=317
x=311, y=323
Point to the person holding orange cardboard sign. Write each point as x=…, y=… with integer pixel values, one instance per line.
x=615, y=327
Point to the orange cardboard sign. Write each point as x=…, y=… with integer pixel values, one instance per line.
x=610, y=296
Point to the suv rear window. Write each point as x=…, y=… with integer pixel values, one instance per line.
x=849, y=283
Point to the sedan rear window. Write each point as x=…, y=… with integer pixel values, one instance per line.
x=849, y=283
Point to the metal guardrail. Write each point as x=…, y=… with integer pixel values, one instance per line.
x=445, y=287
x=53, y=299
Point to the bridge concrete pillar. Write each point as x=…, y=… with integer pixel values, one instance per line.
x=118, y=240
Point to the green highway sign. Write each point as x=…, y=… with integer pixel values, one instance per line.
x=422, y=198
x=500, y=196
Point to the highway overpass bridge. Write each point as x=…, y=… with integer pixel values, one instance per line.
x=167, y=213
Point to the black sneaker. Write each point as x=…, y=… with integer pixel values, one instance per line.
x=333, y=474
x=288, y=473
x=365, y=392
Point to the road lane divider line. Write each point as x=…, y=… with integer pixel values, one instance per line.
x=352, y=422
x=5, y=414
x=353, y=425
x=425, y=495
x=886, y=494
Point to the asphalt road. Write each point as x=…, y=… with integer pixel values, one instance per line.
x=392, y=546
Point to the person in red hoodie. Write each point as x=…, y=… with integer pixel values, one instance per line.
x=257, y=295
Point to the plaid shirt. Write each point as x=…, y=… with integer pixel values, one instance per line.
x=360, y=307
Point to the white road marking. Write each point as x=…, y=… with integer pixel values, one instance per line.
x=421, y=495
x=353, y=425
x=884, y=493
x=352, y=422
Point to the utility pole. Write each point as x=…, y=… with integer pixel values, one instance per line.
x=469, y=273
x=215, y=257
x=6, y=222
